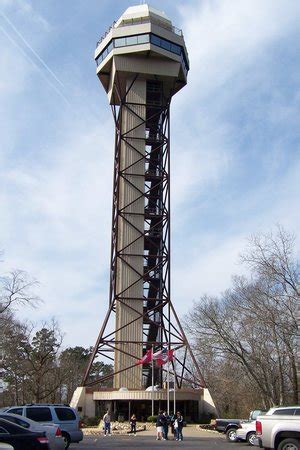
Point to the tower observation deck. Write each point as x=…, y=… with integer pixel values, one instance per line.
x=141, y=62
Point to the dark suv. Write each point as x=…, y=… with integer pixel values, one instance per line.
x=63, y=415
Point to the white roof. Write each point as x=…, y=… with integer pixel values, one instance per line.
x=145, y=10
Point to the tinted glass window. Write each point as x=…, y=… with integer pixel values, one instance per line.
x=132, y=40
x=284, y=412
x=120, y=42
x=175, y=49
x=16, y=420
x=39, y=414
x=143, y=38
x=165, y=44
x=21, y=423
x=65, y=414
x=297, y=412
x=155, y=40
x=18, y=411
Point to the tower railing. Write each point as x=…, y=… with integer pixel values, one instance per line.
x=139, y=21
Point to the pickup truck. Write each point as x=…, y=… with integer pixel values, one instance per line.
x=280, y=429
x=229, y=426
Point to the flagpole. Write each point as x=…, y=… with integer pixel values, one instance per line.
x=174, y=391
x=168, y=387
x=152, y=396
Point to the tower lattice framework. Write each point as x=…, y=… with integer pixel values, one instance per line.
x=160, y=324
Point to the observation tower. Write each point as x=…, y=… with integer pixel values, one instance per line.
x=142, y=61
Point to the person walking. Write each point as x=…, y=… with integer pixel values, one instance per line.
x=178, y=425
x=159, y=426
x=133, y=425
x=106, y=421
x=166, y=422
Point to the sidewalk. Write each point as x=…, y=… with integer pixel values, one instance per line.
x=190, y=431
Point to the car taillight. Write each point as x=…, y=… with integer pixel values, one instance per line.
x=258, y=426
x=58, y=432
x=43, y=440
x=80, y=424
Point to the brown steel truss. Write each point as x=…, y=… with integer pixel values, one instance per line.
x=160, y=322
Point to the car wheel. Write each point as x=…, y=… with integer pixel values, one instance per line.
x=251, y=438
x=289, y=444
x=66, y=439
x=231, y=435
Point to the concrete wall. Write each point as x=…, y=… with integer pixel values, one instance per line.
x=207, y=405
x=127, y=233
x=83, y=402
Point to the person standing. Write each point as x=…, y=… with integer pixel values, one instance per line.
x=172, y=421
x=166, y=421
x=178, y=425
x=159, y=426
x=133, y=425
x=106, y=421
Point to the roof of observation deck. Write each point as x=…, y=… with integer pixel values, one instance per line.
x=140, y=14
x=138, y=11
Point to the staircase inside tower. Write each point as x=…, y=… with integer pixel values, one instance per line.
x=154, y=257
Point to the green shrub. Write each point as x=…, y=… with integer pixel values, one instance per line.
x=152, y=419
x=91, y=421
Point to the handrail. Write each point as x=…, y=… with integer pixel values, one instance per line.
x=138, y=21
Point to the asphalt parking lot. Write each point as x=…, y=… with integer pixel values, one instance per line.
x=193, y=440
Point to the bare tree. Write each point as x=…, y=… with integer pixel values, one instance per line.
x=16, y=289
x=253, y=325
x=272, y=255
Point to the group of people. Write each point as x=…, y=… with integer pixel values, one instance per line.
x=163, y=422
x=175, y=421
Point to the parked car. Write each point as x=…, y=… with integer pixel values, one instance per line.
x=284, y=411
x=230, y=426
x=53, y=432
x=63, y=415
x=247, y=432
x=20, y=438
x=279, y=429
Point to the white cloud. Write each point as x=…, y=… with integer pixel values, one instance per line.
x=224, y=37
x=55, y=201
x=233, y=115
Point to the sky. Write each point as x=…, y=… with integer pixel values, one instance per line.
x=235, y=156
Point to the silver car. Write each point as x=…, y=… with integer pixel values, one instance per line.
x=53, y=432
x=247, y=432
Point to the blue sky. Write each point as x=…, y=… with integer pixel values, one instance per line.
x=235, y=147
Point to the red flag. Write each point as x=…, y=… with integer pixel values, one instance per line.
x=165, y=357
x=160, y=354
x=146, y=359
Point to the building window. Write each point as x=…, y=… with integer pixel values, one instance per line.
x=119, y=42
x=144, y=39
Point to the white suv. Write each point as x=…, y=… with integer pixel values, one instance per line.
x=63, y=415
x=247, y=430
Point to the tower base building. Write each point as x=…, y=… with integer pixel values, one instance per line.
x=142, y=62
x=194, y=404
